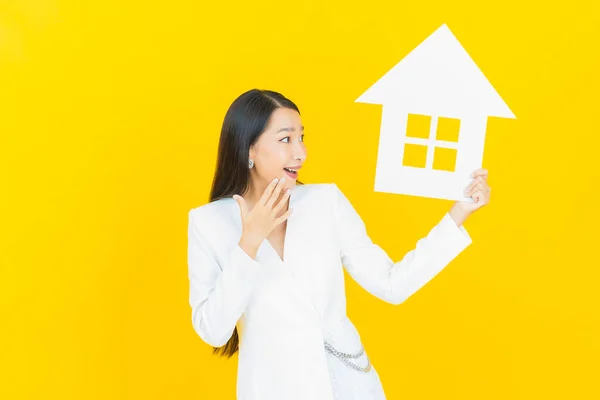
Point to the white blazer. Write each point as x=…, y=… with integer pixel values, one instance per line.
x=284, y=310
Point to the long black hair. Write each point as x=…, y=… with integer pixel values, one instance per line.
x=245, y=120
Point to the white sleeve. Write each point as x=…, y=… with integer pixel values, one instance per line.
x=218, y=294
x=371, y=267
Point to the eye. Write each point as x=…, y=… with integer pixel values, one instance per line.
x=287, y=137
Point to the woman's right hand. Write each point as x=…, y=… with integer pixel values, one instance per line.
x=260, y=221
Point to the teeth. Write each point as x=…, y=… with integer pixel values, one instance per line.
x=291, y=170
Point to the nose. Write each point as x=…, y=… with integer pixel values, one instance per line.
x=300, y=152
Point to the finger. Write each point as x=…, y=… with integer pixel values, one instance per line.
x=476, y=188
x=479, y=197
x=242, y=203
x=283, y=200
x=480, y=172
x=267, y=193
x=485, y=187
x=473, y=183
x=276, y=192
x=283, y=217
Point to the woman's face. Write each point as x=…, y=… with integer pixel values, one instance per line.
x=279, y=147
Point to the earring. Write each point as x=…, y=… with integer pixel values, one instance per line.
x=250, y=164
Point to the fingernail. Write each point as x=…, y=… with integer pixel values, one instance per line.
x=275, y=180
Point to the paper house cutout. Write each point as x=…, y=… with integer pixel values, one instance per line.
x=437, y=79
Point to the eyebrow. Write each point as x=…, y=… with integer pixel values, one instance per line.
x=290, y=129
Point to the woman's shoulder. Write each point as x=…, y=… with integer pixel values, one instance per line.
x=329, y=190
x=213, y=212
x=314, y=187
x=319, y=191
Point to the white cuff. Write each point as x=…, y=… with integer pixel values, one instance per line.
x=456, y=237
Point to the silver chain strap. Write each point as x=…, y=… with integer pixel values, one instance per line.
x=343, y=357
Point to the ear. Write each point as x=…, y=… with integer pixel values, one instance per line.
x=252, y=153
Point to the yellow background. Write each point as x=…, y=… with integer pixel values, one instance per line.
x=110, y=114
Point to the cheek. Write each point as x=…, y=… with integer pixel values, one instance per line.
x=279, y=158
x=273, y=160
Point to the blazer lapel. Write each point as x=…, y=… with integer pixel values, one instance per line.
x=289, y=233
x=299, y=224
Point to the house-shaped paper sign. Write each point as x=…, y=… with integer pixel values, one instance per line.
x=436, y=103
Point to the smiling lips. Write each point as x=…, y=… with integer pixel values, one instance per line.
x=293, y=171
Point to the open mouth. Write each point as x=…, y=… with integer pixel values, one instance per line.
x=292, y=173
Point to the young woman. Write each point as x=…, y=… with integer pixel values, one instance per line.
x=270, y=282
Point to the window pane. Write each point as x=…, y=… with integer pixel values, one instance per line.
x=447, y=129
x=415, y=155
x=444, y=159
x=418, y=126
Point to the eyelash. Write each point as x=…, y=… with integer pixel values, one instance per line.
x=287, y=137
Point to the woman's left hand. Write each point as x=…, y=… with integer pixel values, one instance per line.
x=479, y=190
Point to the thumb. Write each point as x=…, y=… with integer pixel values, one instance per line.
x=242, y=203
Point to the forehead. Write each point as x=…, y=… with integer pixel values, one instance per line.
x=284, y=118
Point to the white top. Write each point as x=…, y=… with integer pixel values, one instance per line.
x=284, y=310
